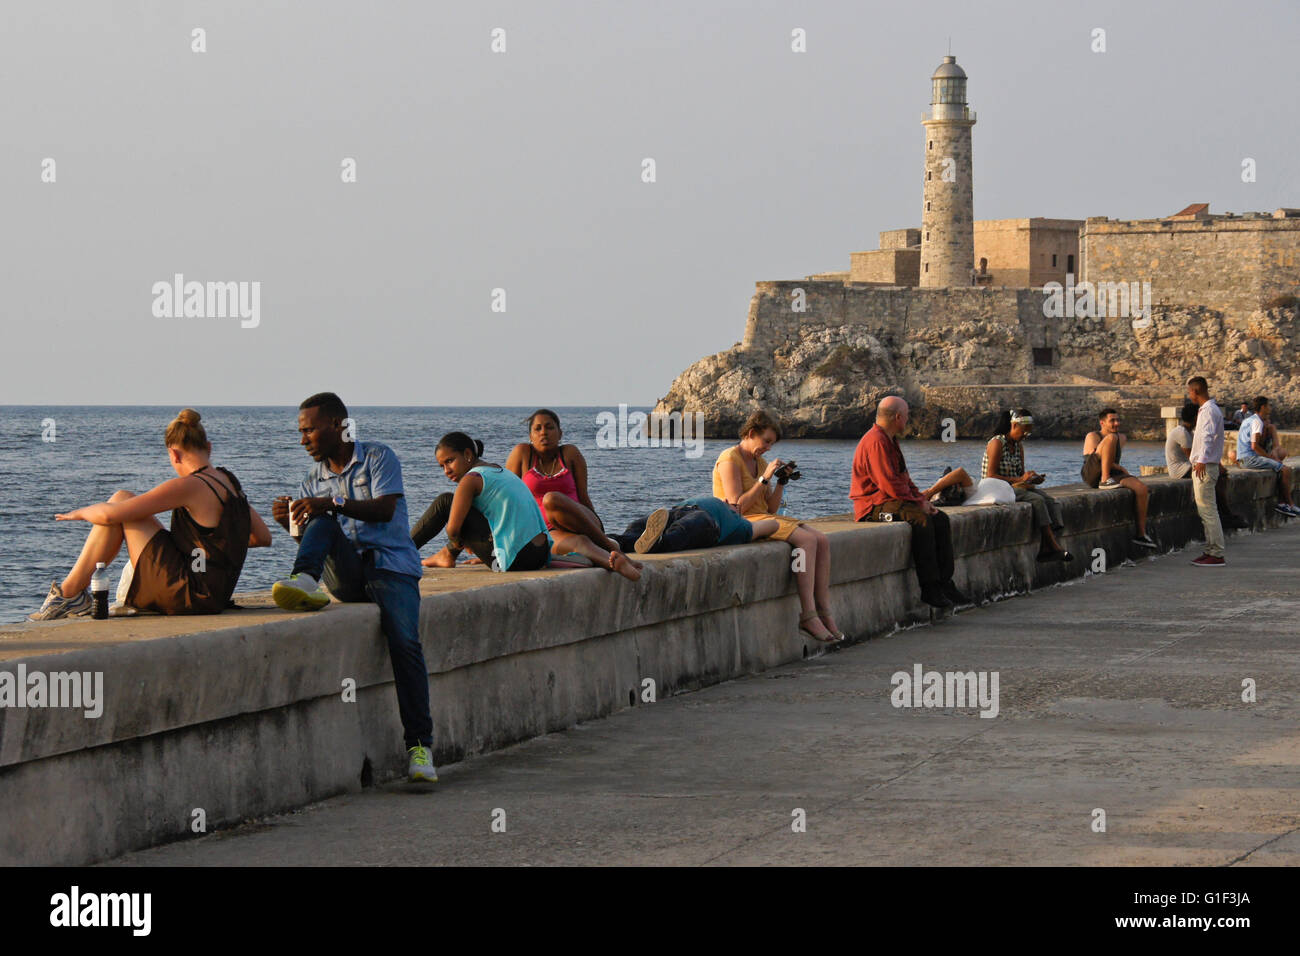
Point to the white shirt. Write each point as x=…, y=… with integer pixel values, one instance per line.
x=1207, y=443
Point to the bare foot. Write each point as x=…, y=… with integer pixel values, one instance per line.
x=443, y=559
x=620, y=562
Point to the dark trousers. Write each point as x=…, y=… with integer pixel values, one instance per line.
x=931, y=541
x=475, y=532
x=688, y=528
x=326, y=553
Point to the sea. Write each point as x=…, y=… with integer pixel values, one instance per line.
x=57, y=458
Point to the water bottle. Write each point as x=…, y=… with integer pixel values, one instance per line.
x=99, y=591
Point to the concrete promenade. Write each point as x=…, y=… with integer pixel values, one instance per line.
x=1120, y=692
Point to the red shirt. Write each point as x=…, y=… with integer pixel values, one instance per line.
x=879, y=473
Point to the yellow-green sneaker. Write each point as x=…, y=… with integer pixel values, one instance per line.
x=299, y=592
x=421, y=769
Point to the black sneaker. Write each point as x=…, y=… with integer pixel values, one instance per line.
x=932, y=594
x=1144, y=541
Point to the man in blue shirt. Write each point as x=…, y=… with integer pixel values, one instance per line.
x=1255, y=449
x=355, y=535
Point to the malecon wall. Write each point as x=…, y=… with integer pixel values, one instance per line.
x=241, y=714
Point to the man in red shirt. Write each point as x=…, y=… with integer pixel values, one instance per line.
x=882, y=490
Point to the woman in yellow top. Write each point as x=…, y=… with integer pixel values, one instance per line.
x=742, y=478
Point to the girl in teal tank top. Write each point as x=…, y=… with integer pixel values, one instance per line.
x=495, y=515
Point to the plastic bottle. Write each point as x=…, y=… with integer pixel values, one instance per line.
x=99, y=591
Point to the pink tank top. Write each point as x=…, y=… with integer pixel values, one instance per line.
x=539, y=484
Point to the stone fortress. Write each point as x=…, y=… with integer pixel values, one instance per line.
x=958, y=315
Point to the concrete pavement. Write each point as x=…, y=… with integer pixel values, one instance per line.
x=1121, y=693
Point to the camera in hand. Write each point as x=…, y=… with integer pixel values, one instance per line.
x=787, y=472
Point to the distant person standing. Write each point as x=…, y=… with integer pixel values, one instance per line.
x=1178, y=450
x=1207, y=450
x=355, y=535
x=1242, y=414
x=882, y=490
x=1102, y=450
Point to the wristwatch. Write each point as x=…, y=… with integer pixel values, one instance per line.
x=339, y=501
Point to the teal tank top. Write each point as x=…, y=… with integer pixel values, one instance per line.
x=511, y=511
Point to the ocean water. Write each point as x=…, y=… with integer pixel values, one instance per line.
x=98, y=449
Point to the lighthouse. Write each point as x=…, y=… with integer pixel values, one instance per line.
x=948, y=216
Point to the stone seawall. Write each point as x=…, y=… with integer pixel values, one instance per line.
x=246, y=714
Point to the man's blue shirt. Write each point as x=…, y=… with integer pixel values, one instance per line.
x=372, y=472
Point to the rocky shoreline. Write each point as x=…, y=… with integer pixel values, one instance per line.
x=824, y=379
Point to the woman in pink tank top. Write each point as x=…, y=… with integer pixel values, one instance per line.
x=556, y=474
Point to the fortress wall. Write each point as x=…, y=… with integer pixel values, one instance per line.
x=1005, y=244
x=1052, y=237
x=1233, y=266
x=995, y=328
x=241, y=714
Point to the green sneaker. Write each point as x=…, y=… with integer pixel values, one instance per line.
x=299, y=592
x=421, y=769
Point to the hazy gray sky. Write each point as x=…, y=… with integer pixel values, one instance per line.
x=522, y=170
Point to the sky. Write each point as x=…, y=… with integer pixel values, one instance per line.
x=523, y=171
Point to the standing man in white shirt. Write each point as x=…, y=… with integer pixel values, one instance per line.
x=1207, y=450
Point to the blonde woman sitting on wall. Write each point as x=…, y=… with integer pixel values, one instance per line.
x=742, y=477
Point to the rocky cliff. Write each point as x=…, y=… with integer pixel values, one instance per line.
x=971, y=355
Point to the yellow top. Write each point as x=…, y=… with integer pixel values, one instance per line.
x=747, y=480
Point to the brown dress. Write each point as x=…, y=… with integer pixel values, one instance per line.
x=170, y=578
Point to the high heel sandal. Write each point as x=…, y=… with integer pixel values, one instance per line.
x=824, y=613
x=811, y=615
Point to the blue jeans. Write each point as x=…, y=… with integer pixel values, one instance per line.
x=687, y=529
x=326, y=553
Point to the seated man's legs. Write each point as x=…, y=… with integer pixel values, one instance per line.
x=398, y=597
x=1139, y=490
x=933, y=557
x=1255, y=462
x=326, y=553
